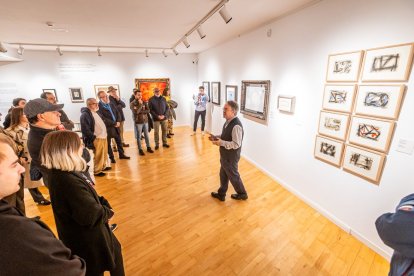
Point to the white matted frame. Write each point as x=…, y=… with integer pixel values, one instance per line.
x=216, y=92
x=328, y=150
x=231, y=93
x=392, y=63
x=255, y=98
x=286, y=103
x=383, y=101
x=76, y=94
x=371, y=133
x=344, y=67
x=339, y=98
x=363, y=163
x=334, y=125
x=104, y=87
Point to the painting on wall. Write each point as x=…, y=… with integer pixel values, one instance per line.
x=339, y=98
x=370, y=133
x=255, y=98
x=363, y=163
x=146, y=86
x=334, y=125
x=286, y=103
x=344, y=67
x=53, y=91
x=392, y=63
x=104, y=87
x=215, y=92
x=231, y=93
x=328, y=150
x=206, y=86
x=76, y=95
x=383, y=101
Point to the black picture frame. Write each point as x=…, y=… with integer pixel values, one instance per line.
x=76, y=94
x=215, y=86
x=249, y=105
x=228, y=91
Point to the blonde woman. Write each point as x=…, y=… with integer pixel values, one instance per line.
x=81, y=215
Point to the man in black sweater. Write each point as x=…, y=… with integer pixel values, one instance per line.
x=159, y=111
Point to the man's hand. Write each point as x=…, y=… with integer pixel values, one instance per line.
x=117, y=124
x=140, y=101
x=217, y=142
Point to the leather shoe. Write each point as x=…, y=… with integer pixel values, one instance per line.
x=141, y=152
x=239, y=196
x=113, y=160
x=124, y=157
x=125, y=145
x=165, y=145
x=150, y=150
x=107, y=169
x=100, y=174
x=168, y=136
x=157, y=147
x=218, y=196
x=43, y=202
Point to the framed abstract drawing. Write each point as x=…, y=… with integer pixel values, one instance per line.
x=392, y=63
x=215, y=92
x=206, y=86
x=383, y=101
x=339, y=98
x=286, y=103
x=334, y=125
x=146, y=86
x=363, y=163
x=53, y=91
x=344, y=67
x=370, y=133
x=76, y=95
x=329, y=150
x=231, y=93
x=104, y=87
x=255, y=98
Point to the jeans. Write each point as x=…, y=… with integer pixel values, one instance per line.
x=203, y=119
x=142, y=128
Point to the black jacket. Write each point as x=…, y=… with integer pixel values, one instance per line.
x=119, y=104
x=34, y=142
x=108, y=120
x=158, y=106
x=28, y=247
x=64, y=119
x=82, y=219
x=87, y=123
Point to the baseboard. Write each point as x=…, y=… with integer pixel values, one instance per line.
x=322, y=210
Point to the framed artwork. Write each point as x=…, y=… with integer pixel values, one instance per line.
x=363, y=163
x=339, y=98
x=146, y=86
x=392, y=63
x=329, y=150
x=76, y=95
x=255, y=98
x=104, y=87
x=286, y=103
x=382, y=101
x=344, y=67
x=53, y=91
x=206, y=86
x=231, y=93
x=215, y=93
x=370, y=133
x=334, y=125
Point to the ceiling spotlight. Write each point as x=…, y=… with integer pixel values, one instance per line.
x=59, y=51
x=163, y=53
x=185, y=41
x=175, y=51
x=99, y=52
x=225, y=15
x=201, y=32
x=20, y=51
x=3, y=49
x=146, y=52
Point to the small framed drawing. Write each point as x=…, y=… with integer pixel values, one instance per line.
x=344, y=67
x=370, y=133
x=255, y=98
x=363, y=163
x=392, y=63
x=231, y=93
x=286, y=103
x=215, y=92
x=53, y=91
x=76, y=95
x=339, y=98
x=104, y=87
x=329, y=150
x=206, y=86
x=382, y=101
x=334, y=125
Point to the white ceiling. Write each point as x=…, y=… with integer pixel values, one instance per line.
x=133, y=23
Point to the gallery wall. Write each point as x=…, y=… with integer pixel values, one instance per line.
x=47, y=70
x=294, y=58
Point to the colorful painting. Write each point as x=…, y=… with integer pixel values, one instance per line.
x=146, y=86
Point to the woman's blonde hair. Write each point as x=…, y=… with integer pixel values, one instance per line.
x=61, y=150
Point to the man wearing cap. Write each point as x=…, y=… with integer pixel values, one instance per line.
x=159, y=111
x=64, y=119
x=119, y=104
x=18, y=102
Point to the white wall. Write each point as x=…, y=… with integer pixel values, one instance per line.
x=41, y=70
x=295, y=60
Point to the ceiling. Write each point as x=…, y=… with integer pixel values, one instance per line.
x=152, y=24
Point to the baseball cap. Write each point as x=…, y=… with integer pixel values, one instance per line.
x=39, y=106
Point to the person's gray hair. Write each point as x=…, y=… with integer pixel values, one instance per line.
x=89, y=100
x=234, y=106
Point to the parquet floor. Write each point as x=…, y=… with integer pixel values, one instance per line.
x=169, y=224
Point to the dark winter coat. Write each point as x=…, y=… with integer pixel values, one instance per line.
x=140, y=112
x=119, y=104
x=158, y=106
x=108, y=120
x=87, y=123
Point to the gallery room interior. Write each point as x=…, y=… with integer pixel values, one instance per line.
x=324, y=89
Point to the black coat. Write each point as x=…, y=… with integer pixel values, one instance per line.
x=108, y=120
x=34, y=142
x=82, y=219
x=87, y=123
x=119, y=104
x=158, y=106
x=28, y=247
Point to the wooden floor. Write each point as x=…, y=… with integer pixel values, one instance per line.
x=170, y=225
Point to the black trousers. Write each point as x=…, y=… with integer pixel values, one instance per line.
x=114, y=134
x=229, y=170
x=203, y=119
